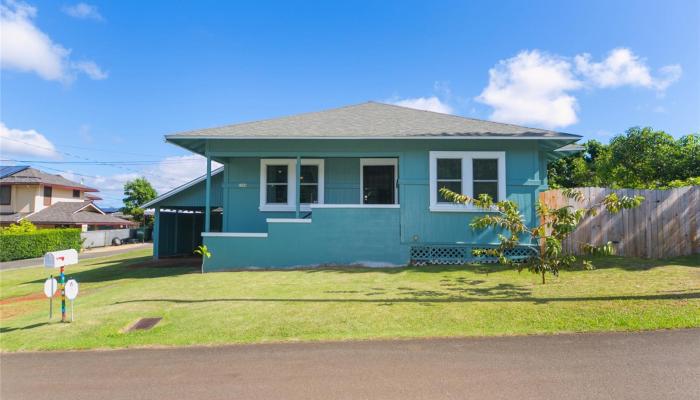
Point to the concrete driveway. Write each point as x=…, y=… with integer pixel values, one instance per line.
x=651, y=365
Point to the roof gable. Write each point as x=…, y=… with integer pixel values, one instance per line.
x=371, y=120
x=74, y=213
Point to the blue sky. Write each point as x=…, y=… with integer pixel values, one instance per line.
x=105, y=81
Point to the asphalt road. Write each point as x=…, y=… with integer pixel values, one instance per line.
x=34, y=262
x=652, y=365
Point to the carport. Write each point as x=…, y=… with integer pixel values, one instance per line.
x=179, y=216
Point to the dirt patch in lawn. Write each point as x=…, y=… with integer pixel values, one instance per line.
x=20, y=299
x=14, y=306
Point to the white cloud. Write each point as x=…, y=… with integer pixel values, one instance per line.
x=532, y=88
x=90, y=69
x=536, y=88
x=83, y=11
x=17, y=142
x=425, y=103
x=24, y=47
x=624, y=68
x=178, y=170
x=170, y=173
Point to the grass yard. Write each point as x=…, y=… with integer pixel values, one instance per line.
x=342, y=304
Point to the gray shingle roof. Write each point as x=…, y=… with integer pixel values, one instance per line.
x=372, y=120
x=74, y=212
x=29, y=176
x=11, y=217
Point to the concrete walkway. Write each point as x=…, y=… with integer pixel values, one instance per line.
x=92, y=253
x=650, y=365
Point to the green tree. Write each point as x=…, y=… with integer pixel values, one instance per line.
x=556, y=225
x=136, y=193
x=578, y=170
x=641, y=158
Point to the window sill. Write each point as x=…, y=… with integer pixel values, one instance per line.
x=458, y=208
x=283, y=208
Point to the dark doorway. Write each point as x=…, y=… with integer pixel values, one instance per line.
x=378, y=184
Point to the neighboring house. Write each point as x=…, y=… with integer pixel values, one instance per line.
x=353, y=185
x=49, y=200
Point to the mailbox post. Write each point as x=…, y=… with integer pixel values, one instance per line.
x=59, y=259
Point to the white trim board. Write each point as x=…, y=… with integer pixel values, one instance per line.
x=235, y=234
x=288, y=220
x=314, y=206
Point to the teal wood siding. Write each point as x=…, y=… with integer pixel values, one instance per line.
x=348, y=235
x=342, y=181
x=334, y=237
x=193, y=196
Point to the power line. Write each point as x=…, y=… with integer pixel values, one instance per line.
x=68, y=172
x=103, y=150
x=143, y=173
x=76, y=147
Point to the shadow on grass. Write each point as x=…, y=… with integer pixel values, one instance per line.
x=609, y=262
x=133, y=268
x=427, y=299
x=357, y=269
x=22, y=328
x=642, y=264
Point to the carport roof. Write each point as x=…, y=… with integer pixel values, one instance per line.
x=179, y=189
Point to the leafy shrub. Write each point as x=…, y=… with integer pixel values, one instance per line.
x=19, y=227
x=21, y=245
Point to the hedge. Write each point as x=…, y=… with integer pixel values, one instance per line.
x=18, y=246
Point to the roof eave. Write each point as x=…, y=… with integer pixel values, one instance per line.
x=172, y=138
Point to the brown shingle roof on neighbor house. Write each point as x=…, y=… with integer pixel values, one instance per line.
x=372, y=120
x=32, y=176
x=74, y=213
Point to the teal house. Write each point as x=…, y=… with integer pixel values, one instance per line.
x=357, y=185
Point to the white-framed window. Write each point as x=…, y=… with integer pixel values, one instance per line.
x=278, y=190
x=466, y=172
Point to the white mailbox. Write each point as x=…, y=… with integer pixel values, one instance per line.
x=57, y=259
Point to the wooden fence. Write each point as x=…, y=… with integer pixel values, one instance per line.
x=667, y=224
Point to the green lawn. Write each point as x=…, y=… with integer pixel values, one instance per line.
x=341, y=304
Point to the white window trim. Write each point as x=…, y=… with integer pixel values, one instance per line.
x=314, y=206
x=379, y=161
x=235, y=234
x=287, y=221
x=467, y=177
x=291, y=183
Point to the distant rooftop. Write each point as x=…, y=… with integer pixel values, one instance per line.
x=26, y=175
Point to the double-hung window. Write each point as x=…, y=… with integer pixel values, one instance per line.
x=278, y=184
x=466, y=172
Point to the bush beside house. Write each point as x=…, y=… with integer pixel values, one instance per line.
x=21, y=245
